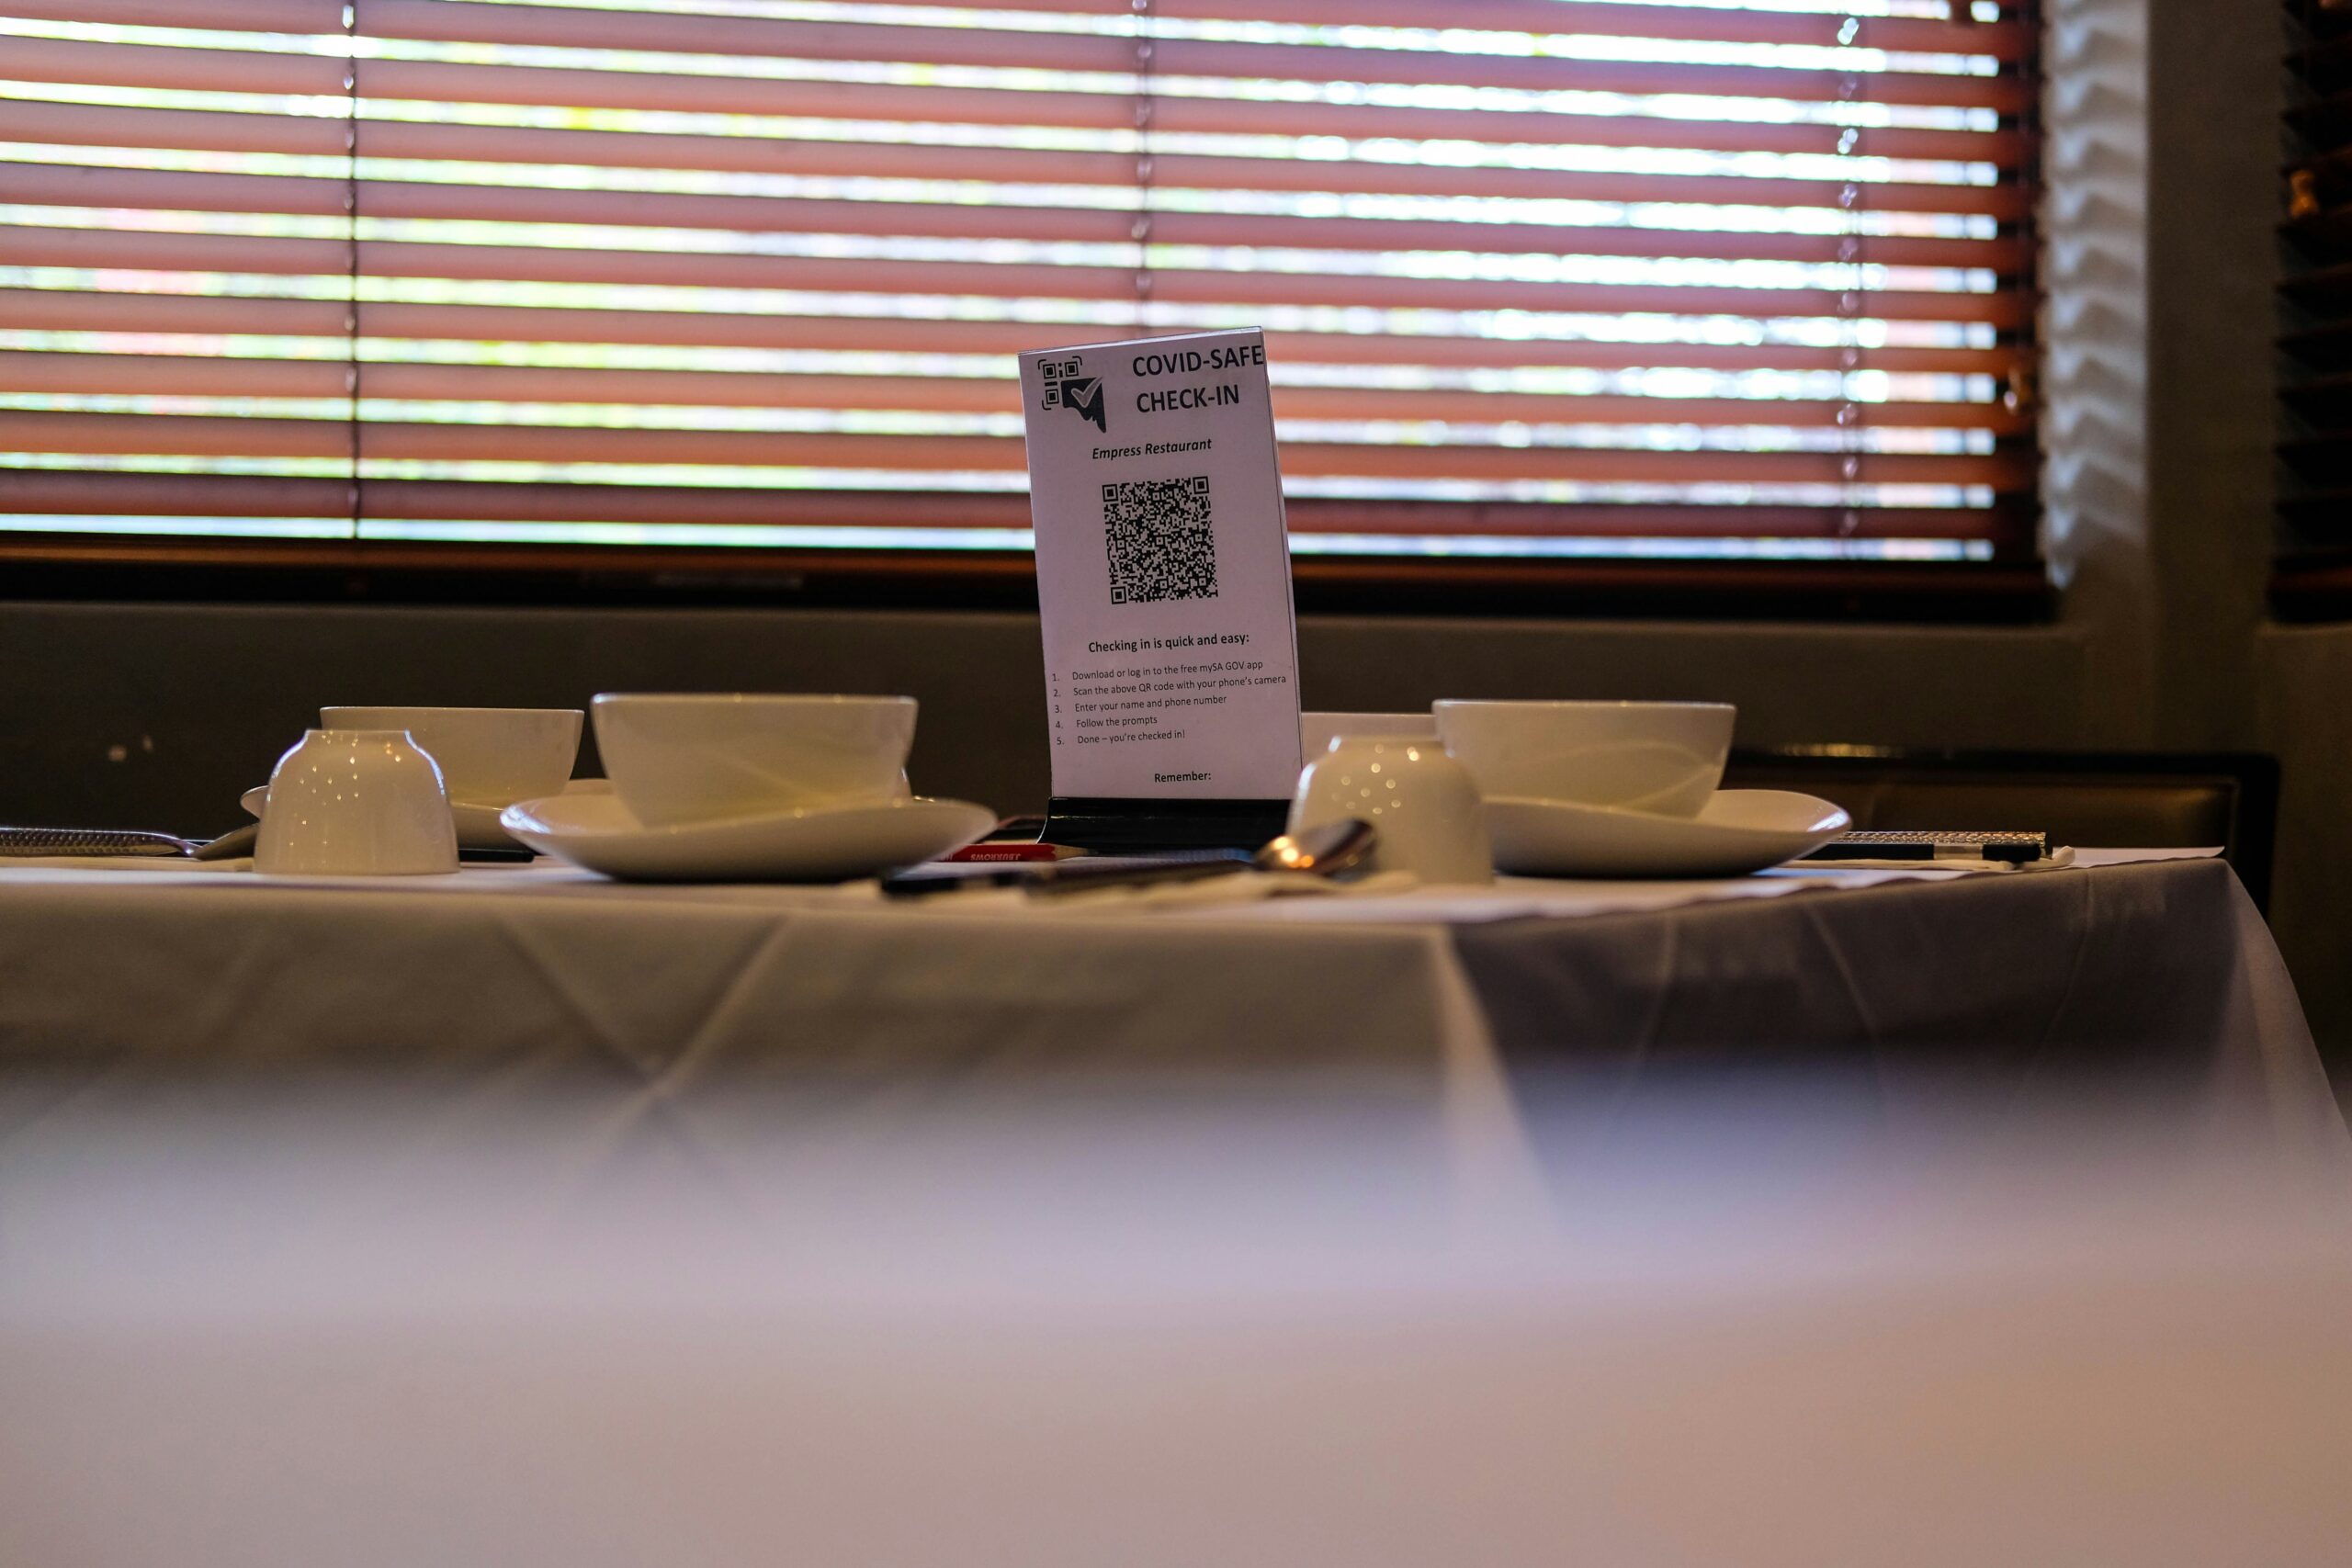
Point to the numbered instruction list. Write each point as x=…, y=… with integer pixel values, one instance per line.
x=1123, y=702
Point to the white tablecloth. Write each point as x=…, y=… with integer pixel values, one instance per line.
x=2118, y=977
x=516, y=1217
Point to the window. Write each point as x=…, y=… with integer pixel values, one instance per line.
x=1696, y=279
x=2313, y=580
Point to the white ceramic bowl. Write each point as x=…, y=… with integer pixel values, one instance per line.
x=356, y=803
x=489, y=757
x=1665, y=758
x=1318, y=730
x=704, y=758
x=1422, y=802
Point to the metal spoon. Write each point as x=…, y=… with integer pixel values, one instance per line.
x=122, y=842
x=1327, y=851
x=227, y=846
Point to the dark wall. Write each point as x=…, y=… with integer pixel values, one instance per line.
x=159, y=715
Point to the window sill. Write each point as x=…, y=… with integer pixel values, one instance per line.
x=94, y=567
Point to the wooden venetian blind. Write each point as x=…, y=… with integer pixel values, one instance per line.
x=2314, y=575
x=1539, y=276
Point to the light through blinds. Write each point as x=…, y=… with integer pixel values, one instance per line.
x=1540, y=278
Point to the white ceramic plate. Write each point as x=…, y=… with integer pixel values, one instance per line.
x=1736, y=831
x=476, y=826
x=827, y=844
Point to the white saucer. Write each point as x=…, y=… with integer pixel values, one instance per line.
x=476, y=826
x=1739, y=830
x=829, y=845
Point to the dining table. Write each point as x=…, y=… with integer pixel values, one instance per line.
x=2129, y=976
x=1820, y=1216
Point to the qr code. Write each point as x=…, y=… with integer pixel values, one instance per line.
x=1161, y=540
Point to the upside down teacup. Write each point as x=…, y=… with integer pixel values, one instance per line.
x=358, y=803
x=1317, y=731
x=1422, y=804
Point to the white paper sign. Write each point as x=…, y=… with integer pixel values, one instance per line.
x=1163, y=569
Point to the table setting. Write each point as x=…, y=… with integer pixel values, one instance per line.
x=812, y=788
x=718, y=787
x=717, y=907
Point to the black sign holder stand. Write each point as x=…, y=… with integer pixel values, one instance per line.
x=1114, y=826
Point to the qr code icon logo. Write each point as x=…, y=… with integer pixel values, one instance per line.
x=1066, y=385
x=1161, y=539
